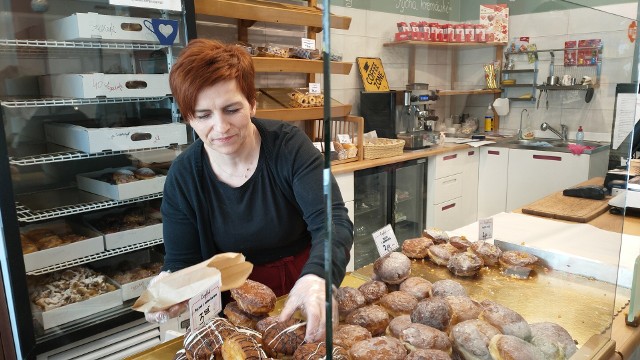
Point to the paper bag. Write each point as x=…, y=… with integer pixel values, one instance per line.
x=230, y=268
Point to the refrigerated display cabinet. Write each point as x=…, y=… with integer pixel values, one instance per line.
x=83, y=92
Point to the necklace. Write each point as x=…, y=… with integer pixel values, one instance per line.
x=245, y=175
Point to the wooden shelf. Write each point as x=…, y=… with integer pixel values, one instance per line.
x=469, y=92
x=298, y=114
x=267, y=11
x=439, y=44
x=274, y=65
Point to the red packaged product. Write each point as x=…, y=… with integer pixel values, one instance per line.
x=481, y=33
x=433, y=27
x=402, y=26
x=570, y=56
x=439, y=33
x=588, y=52
x=469, y=33
x=425, y=30
x=448, y=33
x=458, y=30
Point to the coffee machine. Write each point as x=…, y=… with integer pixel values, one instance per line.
x=415, y=120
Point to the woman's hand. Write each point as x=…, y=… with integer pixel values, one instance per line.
x=308, y=295
x=164, y=315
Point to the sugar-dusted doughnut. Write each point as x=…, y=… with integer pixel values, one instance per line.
x=417, y=286
x=434, y=312
x=489, y=253
x=254, y=297
x=441, y=253
x=504, y=319
x=144, y=173
x=398, y=303
x=463, y=308
x=553, y=340
x=466, y=264
x=438, y=236
x=373, y=290
x=507, y=347
x=471, y=338
x=420, y=336
x=382, y=347
x=371, y=317
x=416, y=248
x=349, y=299
x=428, y=354
x=392, y=268
x=447, y=287
x=347, y=335
x=397, y=324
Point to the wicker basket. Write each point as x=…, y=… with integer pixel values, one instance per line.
x=382, y=148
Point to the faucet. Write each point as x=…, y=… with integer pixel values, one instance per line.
x=520, y=128
x=564, y=130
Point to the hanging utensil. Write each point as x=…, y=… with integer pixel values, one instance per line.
x=589, y=95
x=539, y=96
x=546, y=97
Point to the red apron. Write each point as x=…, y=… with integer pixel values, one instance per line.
x=281, y=275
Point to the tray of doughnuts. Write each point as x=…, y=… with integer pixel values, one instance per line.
x=122, y=183
x=303, y=98
x=126, y=226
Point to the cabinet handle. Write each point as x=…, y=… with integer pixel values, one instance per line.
x=449, y=181
x=493, y=152
x=450, y=157
x=447, y=207
x=547, y=157
x=470, y=153
x=136, y=84
x=140, y=136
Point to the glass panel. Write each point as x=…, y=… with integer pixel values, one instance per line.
x=409, y=198
x=370, y=213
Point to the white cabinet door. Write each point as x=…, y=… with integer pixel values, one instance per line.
x=469, y=199
x=345, y=183
x=533, y=174
x=492, y=181
x=446, y=215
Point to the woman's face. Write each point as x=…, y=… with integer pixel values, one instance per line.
x=223, y=117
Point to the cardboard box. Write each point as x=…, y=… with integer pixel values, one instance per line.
x=93, y=26
x=95, y=140
x=495, y=17
x=134, y=289
x=105, y=85
x=126, y=237
x=48, y=257
x=89, y=182
x=75, y=311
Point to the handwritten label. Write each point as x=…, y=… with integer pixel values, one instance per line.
x=309, y=44
x=111, y=87
x=314, y=88
x=205, y=306
x=104, y=28
x=485, y=228
x=175, y=5
x=344, y=139
x=385, y=240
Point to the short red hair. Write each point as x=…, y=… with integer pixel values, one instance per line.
x=204, y=63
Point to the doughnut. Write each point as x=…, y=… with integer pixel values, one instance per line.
x=239, y=317
x=318, y=351
x=378, y=348
x=428, y=354
x=471, y=338
x=49, y=242
x=347, y=335
x=205, y=342
x=398, y=303
x=506, y=347
x=71, y=238
x=416, y=286
x=416, y=248
x=460, y=242
x=435, y=312
x=441, y=253
x=263, y=324
x=373, y=290
x=312, y=100
x=397, y=324
x=504, y=319
x=437, y=235
x=463, y=308
x=447, y=287
x=144, y=173
x=133, y=215
x=553, y=340
x=371, y=317
x=180, y=355
x=37, y=234
x=123, y=176
x=419, y=336
x=516, y=258
x=392, y=268
x=283, y=338
x=28, y=247
x=254, y=297
x=465, y=264
x=348, y=300
x=489, y=253
x=241, y=346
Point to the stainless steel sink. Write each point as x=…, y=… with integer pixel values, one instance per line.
x=544, y=144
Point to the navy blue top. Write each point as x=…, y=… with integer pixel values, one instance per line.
x=275, y=214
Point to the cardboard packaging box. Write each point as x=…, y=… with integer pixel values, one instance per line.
x=89, y=182
x=93, y=26
x=105, y=85
x=495, y=18
x=125, y=237
x=59, y=254
x=94, y=140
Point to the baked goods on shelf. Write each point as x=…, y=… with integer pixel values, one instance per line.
x=447, y=287
x=465, y=264
x=242, y=346
x=127, y=272
x=434, y=312
x=373, y=290
x=504, y=319
x=489, y=253
x=318, y=351
x=392, y=268
x=438, y=236
x=206, y=342
x=346, y=335
x=504, y=347
x=397, y=324
x=398, y=303
x=460, y=242
x=348, y=299
x=441, y=253
x=417, y=286
x=239, y=317
x=129, y=218
x=46, y=238
x=471, y=339
x=553, y=340
x=283, y=338
x=382, y=347
x=463, y=308
x=428, y=354
x=127, y=175
x=371, y=317
x=419, y=336
x=254, y=297
x=517, y=263
x=416, y=248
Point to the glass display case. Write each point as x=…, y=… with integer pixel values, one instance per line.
x=85, y=105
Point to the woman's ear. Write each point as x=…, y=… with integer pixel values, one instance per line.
x=253, y=108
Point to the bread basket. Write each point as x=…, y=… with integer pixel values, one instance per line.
x=382, y=148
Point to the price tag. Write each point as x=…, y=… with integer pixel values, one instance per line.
x=205, y=306
x=318, y=145
x=485, y=228
x=314, y=88
x=385, y=240
x=344, y=139
x=333, y=148
x=309, y=44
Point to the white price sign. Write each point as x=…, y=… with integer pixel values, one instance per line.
x=314, y=88
x=385, y=240
x=309, y=44
x=485, y=228
x=318, y=146
x=344, y=139
x=205, y=306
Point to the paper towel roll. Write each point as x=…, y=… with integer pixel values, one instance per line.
x=502, y=106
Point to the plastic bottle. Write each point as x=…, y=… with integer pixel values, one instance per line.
x=579, y=135
x=488, y=120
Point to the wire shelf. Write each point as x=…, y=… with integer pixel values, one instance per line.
x=48, y=48
x=71, y=155
x=68, y=101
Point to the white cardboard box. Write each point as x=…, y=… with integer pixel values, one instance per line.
x=128, y=237
x=135, y=288
x=107, y=85
x=94, y=140
x=75, y=311
x=43, y=258
x=92, y=26
x=89, y=182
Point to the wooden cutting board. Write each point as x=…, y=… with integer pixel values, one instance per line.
x=558, y=206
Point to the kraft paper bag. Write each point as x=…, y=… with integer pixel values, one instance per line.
x=230, y=268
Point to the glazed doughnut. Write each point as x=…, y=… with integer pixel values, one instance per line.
x=371, y=317
x=416, y=286
x=239, y=317
x=347, y=335
x=398, y=303
x=241, y=346
x=447, y=287
x=489, y=253
x=435, y=312
x=553, y=340
x=460, y=242
x=254, y=297
x=283, y=338
x=416, y=248
x=262, y=325
x=441, y=253
x=471, y=338
x=465, y=264
x=517, y=258
x=373, y=290
x=504, y=319
x=144, y=173
x=506, y=347
x=180, y=355
x=419, y=336
x=428, y=354
x=463, y=308
x=123, y=176
x=437, y=235
x=348, y=300
x=318, y=351
x=397, y=324
x=392, y=268
x=378, y=348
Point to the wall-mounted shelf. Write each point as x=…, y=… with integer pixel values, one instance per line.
x=469, y=92
x=562, y=87
x=268, y=64
x=297, y=114
x=439, y=44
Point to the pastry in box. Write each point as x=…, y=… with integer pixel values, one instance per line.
x=126, y=227
x=122, y=183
